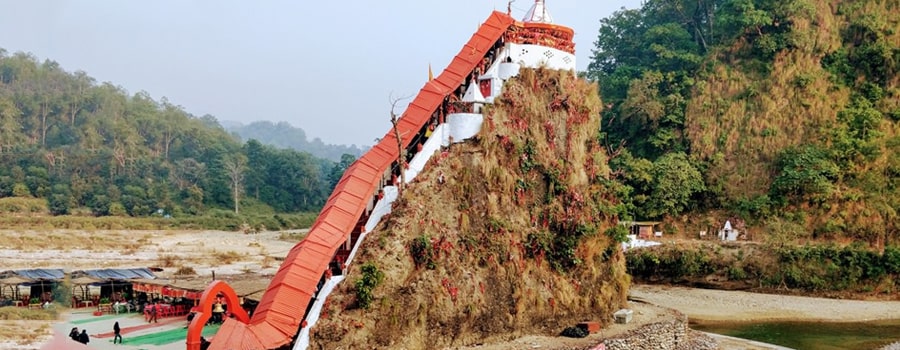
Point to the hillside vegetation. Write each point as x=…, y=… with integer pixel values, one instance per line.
x=519, y=239
x=781, y=113
x=92, y=149
x=851, y=271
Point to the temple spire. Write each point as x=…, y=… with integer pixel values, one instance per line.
x=538, y=13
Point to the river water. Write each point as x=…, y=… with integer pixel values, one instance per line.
x=809, y=335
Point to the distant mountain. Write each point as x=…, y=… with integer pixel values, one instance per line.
x=284, y=135
x=229, y=124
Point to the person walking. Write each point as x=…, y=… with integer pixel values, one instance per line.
x=154, y=314
x=118, y=332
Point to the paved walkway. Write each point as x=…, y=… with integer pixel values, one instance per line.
x=137, y=334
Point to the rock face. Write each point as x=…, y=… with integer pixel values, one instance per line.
x=515, y=239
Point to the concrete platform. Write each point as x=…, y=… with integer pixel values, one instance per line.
x=168, y=334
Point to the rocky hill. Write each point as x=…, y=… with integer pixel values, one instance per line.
x=518, y=239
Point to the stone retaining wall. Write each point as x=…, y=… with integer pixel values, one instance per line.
x=670, y=334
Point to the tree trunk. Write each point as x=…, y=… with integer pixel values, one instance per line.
x=401, y=158
x=401, y=154
x=235, y=168
x=237, y=201
x=44, y=112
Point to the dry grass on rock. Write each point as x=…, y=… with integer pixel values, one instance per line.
x=511, y=244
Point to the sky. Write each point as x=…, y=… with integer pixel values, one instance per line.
x=329, y=67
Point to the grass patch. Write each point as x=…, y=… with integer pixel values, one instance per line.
x=25, y=332
x=185, y=271
x=227, y=257
x=167, y=260
x=26, y=314
x=29, y=215
x=293, y=236
x=23, y=206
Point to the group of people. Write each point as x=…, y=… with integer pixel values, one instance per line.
x=80, y=337
x=84, y=338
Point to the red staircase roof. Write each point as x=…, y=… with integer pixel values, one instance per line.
x=282, y=307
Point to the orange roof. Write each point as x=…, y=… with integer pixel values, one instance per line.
x=279, y=313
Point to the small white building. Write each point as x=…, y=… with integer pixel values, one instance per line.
x=728, y=233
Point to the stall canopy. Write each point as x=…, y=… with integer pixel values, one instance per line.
x=12, y=283
x=36, y=274
x=247, y=286
x=116, y=274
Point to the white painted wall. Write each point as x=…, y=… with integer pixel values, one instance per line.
x=432, y=145
x=464, y=126
x=534, y=56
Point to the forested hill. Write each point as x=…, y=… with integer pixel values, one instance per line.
x=781, y=112
x=284, y=135
x=92, y=147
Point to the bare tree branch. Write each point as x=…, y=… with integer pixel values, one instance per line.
x=401, y=158
x=234, y=168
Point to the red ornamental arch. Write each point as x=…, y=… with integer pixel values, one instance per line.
x=195, y=329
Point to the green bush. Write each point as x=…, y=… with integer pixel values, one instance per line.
x=117, y=209
x=891, y=260
x=23, y=205
x=100, y=205
x=537, y=244
x=618, y=233
x=736, y=273
x=58, y=204
x=422, y=252
x=829, y=267
x=6, y=186
x=365, y=285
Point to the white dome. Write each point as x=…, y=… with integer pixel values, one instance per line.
x=538, y=13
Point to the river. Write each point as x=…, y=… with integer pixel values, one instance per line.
x=810, y=335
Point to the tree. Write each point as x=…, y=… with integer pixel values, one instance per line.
x=234, y=168
x=644, y=62
x=47, y=88
x=194, y=200
x=61, y=127
x=401, y=152
x=676, y=180
x=172, y=115
x=60, y=200
x=804, y=173
x=100, y=205
x=76, y=94
x=337, y=171
x=257, y=167
x=10, y=127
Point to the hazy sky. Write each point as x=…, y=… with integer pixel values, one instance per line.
x=328, y=67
